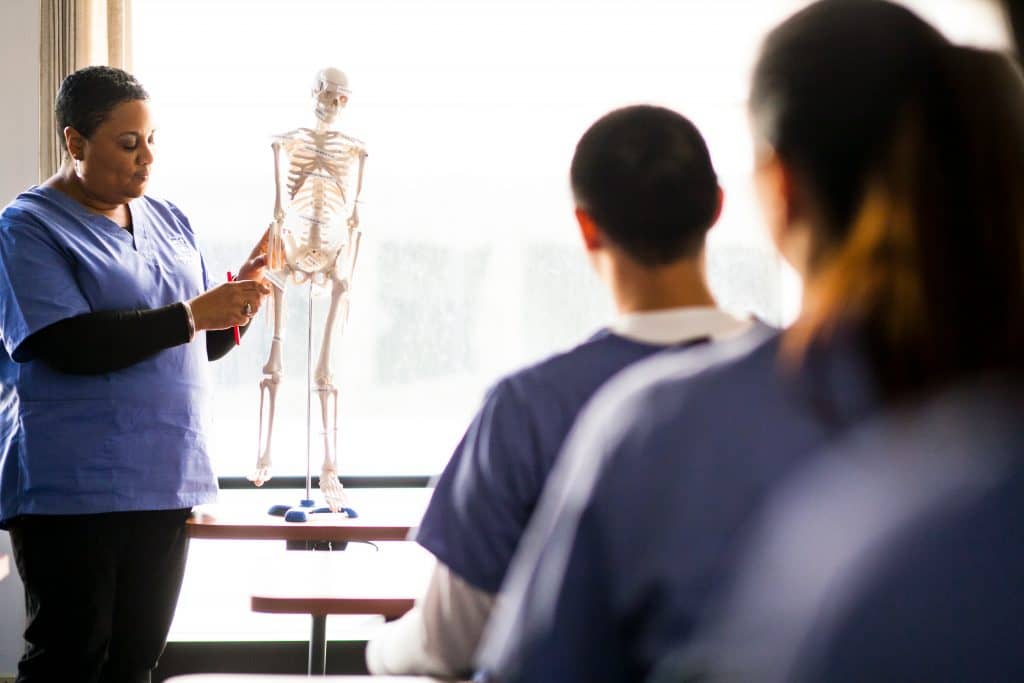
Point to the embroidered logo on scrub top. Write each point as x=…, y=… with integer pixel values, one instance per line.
x=183, y=251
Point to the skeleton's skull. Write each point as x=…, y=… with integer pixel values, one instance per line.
x=331, y=92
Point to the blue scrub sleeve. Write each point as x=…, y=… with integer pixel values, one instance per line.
x=486, y=494
x=43, y=288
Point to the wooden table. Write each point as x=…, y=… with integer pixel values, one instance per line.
x=272, y=678
x=387, y=582
x=384, y=515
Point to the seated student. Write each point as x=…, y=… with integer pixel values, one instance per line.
x=890, y=181
x=897, y=555
x=646, y=195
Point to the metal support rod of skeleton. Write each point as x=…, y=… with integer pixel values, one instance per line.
x=314, y=240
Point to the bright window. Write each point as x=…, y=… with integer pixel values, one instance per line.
x=470, y=264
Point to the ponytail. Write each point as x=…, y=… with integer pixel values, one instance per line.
x=932, y=266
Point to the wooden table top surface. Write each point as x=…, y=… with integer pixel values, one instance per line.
x=276, y=678
x=384, y=515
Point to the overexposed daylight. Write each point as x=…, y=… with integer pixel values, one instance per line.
x=470, y=261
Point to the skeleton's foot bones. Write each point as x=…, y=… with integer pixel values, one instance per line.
x=334, y=492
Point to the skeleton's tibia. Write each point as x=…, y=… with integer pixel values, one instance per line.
x=272, y=371
x=328, y=394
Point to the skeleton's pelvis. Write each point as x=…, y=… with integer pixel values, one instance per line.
x=311, y=245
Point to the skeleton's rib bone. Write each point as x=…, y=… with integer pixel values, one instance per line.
x=316, y=174
x=338, y=157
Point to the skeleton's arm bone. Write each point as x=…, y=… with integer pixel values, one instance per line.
x=278, y=209
x=353, y=220
x=352, y=253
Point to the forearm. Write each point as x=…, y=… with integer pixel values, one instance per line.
x=107, y=341
x=220, y=342
x=439, y=636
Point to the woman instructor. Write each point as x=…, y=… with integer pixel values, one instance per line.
x=108, y=320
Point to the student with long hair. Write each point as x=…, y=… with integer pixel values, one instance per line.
x=893, y=183
x=896, y=555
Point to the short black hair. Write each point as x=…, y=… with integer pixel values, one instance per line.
x=87, y=96
x=644, y=175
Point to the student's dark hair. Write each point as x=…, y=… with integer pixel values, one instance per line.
x=87, y=96
x=909, y=154
x=644, y=176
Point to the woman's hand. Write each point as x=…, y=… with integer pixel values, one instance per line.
x=256, y=263
x=253, y=269
x=229, y=304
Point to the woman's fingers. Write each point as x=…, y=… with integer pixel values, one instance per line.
x=253, y=268
x=251, y=294
x=232, y=303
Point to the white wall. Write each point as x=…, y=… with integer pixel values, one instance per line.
x=19, y=144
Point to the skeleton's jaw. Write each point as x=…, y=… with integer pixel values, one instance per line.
x=326, y=115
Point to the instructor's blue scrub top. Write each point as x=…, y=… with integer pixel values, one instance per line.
x=133, y=439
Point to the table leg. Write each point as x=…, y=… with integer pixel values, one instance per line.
x=318, y=646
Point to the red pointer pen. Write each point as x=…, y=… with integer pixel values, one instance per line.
x=238, y=339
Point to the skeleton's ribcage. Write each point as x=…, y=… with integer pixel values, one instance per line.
x=320, y=178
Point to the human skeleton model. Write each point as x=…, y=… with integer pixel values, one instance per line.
x=314, y=238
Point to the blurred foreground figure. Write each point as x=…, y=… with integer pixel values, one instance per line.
x=898, y=557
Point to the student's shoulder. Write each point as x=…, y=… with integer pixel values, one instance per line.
x=672, y=383
x=647, y=411
x=585, y=359
x=727, y=368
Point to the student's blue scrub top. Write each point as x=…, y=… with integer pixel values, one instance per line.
x=896, y=556
x=637, y=527
x=489, y=489
x=127, y=440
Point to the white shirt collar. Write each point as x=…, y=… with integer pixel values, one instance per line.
x=674, y=325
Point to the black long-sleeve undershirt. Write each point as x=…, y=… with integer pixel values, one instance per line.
x=95, y=343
